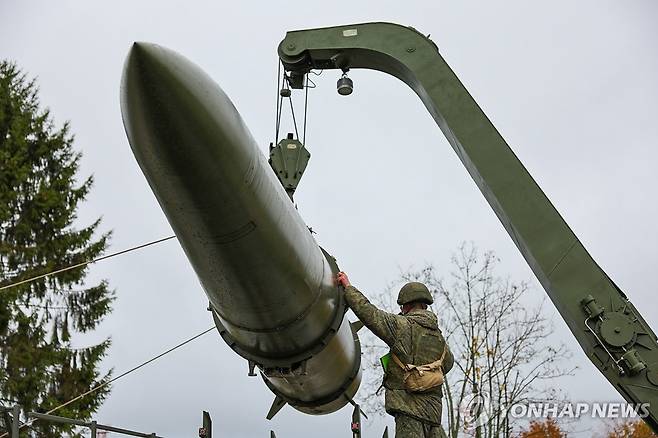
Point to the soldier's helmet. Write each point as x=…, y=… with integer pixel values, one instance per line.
x=414, y=292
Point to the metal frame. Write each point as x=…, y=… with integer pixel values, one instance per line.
x=204, y=432
x=93, y=426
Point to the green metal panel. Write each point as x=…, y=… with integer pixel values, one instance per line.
x=565, y=269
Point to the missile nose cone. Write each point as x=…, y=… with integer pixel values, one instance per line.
x=139, y=48
x=143, y=58
x=143, y=51
x=146, y=70
x=138, y=83
x=141, y=45
x=140, y=53
x=170, y=107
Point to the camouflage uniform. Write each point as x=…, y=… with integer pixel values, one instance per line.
x=416, y=339
x=406, y=426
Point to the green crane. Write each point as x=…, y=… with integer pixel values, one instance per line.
x=605, y=323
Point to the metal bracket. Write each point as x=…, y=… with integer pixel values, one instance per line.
x=595, y=311
x=633, y=361
x=289, y=159
x=617, y=333
x=591, y=306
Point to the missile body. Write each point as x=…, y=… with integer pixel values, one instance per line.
x=269, y=284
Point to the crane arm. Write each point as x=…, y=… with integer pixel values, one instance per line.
x=605, y=323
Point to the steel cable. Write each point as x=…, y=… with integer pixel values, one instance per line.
x=79, y=265
x=114, y=379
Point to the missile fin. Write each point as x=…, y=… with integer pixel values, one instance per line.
x=277, y=404
x=356, y=325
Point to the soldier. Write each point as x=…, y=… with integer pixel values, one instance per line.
x=414, y=338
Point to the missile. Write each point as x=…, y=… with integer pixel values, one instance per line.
x=270, y=286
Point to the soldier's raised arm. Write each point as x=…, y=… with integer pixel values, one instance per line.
x=449, y=360
x=382, y=324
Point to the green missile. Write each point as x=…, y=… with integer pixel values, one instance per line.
x=270, y=286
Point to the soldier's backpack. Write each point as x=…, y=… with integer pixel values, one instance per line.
x=421, y=378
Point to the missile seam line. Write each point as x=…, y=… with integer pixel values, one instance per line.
x=333, y=328
x=235, y=234
x=284, y=325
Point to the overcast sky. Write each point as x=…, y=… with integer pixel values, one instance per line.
x=570, y=85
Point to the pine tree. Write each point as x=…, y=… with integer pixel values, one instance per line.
x=39, y=195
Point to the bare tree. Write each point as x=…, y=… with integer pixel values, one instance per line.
x=630, y=429
x=503, y=348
